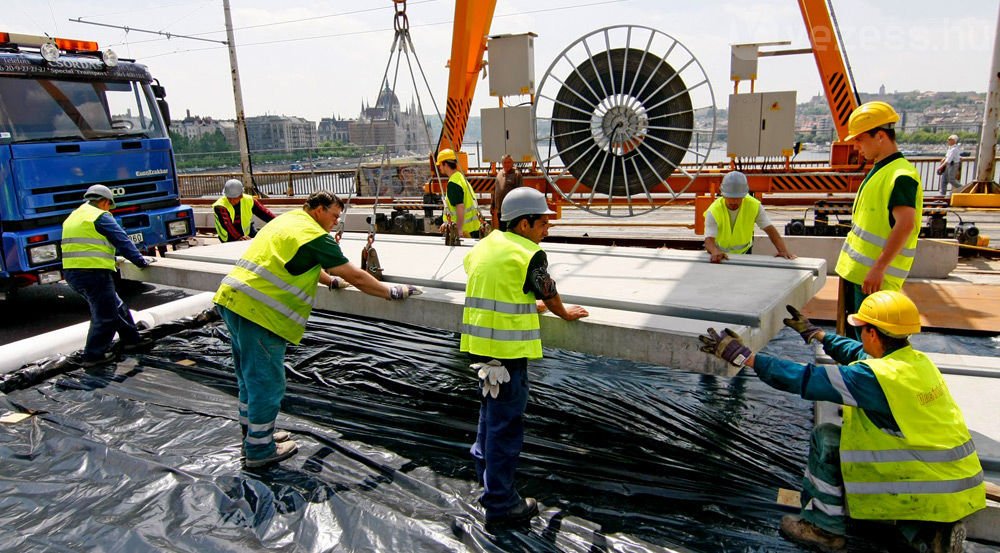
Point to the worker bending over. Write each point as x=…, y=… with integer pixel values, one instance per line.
x=234, y=213
x=459, y=198
x=265, y=302
x=904, y=453
x=507, y=276
x=729, y=221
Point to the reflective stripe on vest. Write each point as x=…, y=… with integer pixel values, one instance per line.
x=246, y=216
x=83, y=247
x=735, y=238
x=870, y=229
x=500, y=320
x=260, y=289
x=471, y=214
x=929, y=470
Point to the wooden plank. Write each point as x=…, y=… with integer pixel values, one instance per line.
x=943, y=305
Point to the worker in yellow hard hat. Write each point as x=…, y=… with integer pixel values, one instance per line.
x=460, y=200
x=903, y=454
x=885, y=219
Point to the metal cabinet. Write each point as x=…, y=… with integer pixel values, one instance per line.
x=508, y=130
x=761, y=124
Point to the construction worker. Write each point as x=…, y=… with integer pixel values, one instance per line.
x=234, y=213
x=90, y=238
x=459, y=199
x=729, y=221
x=904, y=453
x=265, y=301
x=879, y=249
x=507, y=279
x=508, y=178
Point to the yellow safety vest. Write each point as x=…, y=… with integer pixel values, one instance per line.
x=82, y=246
x=929, y=471
x=246, y=215
x=738, y=237
x=260, y=289
x=471, y=223
x=500, y=320
x=870, y=230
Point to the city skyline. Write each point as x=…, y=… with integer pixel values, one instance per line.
x=315, y=59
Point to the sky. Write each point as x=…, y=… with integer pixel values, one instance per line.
x=314, y=58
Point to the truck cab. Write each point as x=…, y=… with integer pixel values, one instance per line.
x=72, y=116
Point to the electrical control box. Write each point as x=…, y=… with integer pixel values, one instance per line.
x=761, y=124
x=511, y=66
x=509, y=130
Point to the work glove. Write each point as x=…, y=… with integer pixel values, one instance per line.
x=727, y=346
x=799, y=323
x=338, y=282
x=403, y=291
x=149, y=260
x=493, y=374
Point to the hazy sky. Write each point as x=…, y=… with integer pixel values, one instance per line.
x=314, y=58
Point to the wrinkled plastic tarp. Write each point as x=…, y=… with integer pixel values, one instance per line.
x=144, y=455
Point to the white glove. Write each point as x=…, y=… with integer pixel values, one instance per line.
x=338, y=282
x=149, y=260
x=403, y=291
x=493, y=374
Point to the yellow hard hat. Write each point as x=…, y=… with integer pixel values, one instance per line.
x=892, y=312
x=868, y=116
x=445, y=155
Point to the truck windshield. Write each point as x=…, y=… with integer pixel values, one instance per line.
x=40, y=110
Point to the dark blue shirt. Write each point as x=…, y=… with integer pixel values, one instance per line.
x=110, y=229
x=847, y=383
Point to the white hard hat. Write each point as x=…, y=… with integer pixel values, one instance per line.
x=521, y=201
x=99, y=192
x=233, y=188
x=734, y=185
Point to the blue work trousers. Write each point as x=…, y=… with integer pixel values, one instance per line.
x=108, y=313
x=259, y=362
x=500, y=438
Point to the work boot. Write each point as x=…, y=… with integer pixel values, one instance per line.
x=87, y=362
x=808, y=534
x=282, y=451
x=518, y=514
x=278, y=437
x=947, y=538
x=144, y=344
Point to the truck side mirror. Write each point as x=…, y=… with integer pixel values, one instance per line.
x=164, y=111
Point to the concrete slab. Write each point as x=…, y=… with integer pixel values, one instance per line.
x=934, y=259
x=646, y=305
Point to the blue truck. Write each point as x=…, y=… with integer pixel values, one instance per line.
x=72, y=116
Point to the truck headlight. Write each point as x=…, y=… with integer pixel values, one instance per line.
x=39, y=255
x=177, y=228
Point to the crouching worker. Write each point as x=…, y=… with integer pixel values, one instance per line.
x=730, y=220
x=265, y=302
x=904, y=453
x=507, y=274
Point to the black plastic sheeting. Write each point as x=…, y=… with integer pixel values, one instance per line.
x=144, y=456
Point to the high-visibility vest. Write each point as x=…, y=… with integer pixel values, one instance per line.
x=929, y=470
x=260, y=289
x=246, y=215
x=500, y=320
x=82, y=246
x=471, y=214
x=734, y=238
x=870, y=228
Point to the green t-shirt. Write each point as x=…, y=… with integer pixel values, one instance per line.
x=323, y=251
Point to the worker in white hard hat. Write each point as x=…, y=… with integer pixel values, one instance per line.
x=730, y=220
x=885, y=220
x=903, y=454
x=460, y=199
x=90, y=239
x=507, y=280
x=234, y=212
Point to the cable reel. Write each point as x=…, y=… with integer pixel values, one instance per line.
x=619, y=111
